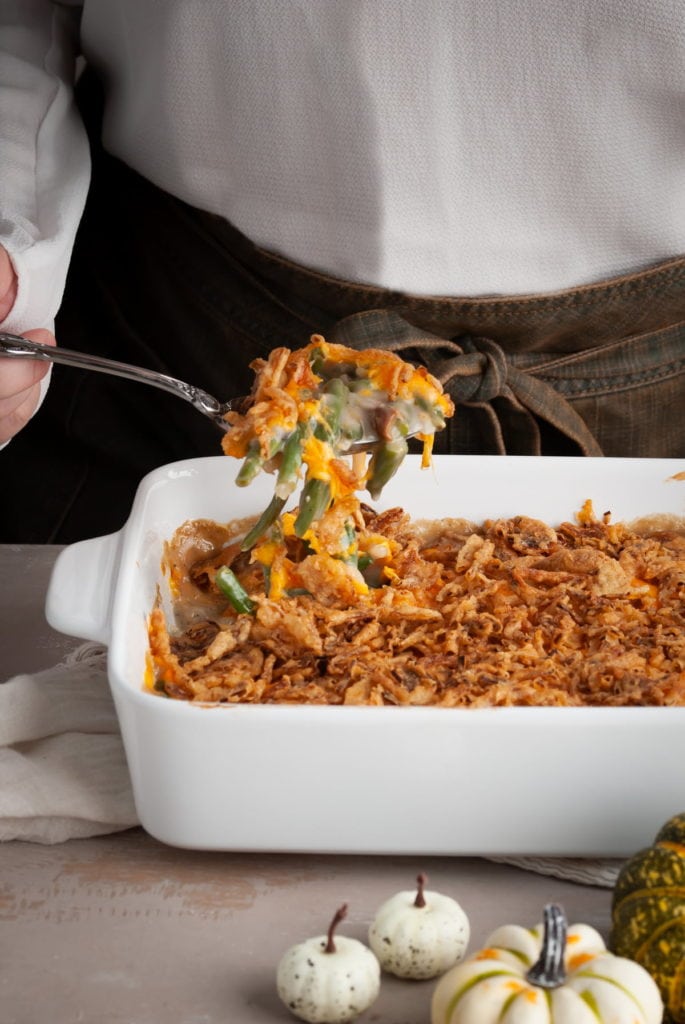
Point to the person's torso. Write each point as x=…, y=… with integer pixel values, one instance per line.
x=464, y=148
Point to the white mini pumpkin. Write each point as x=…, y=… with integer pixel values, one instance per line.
x=327, y=980
x=520, y=977
x=419, y=934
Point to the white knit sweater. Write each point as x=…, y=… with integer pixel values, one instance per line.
x=461, y=147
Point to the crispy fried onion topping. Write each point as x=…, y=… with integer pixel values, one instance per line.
x=511, y=612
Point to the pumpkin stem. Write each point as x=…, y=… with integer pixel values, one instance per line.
x=340, y=913
x=550, y=971
x=420, y=900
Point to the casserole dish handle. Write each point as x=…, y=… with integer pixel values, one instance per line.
x=81, y=588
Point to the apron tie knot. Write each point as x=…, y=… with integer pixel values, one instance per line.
x=476, y=373
x=477, y=376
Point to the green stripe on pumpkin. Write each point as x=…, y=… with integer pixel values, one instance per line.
x=616, y=984
x=460, y=993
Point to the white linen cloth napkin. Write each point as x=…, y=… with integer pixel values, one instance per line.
x=63, y=773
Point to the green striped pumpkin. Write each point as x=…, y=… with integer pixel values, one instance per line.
x=648, y=914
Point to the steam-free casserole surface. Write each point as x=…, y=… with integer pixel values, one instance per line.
x=565, y=781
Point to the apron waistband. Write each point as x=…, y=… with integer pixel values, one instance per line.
x=518, y=362
x=571, y=320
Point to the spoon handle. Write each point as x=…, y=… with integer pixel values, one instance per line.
x=14, y=346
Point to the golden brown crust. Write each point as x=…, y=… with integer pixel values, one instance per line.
x=511, y=613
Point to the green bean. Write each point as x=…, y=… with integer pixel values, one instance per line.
x=436, y=414
x=385, y=461
x=331, y=408
x=254, y=460
x=361, y=384
x=268, y=516
x=288, y=471
x=330, y=369
x=316, y=497
x=317, y=360
x=231, y=587
x=252, y=464
x=404, y=411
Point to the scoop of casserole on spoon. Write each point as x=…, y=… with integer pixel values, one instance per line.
x=308, y=409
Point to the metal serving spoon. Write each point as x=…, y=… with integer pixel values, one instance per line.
x=14, y=346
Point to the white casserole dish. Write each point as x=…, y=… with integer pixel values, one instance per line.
x=553, y=781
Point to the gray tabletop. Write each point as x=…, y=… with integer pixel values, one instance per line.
x=121, y=928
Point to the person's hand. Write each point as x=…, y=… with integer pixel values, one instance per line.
x=19, y=378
